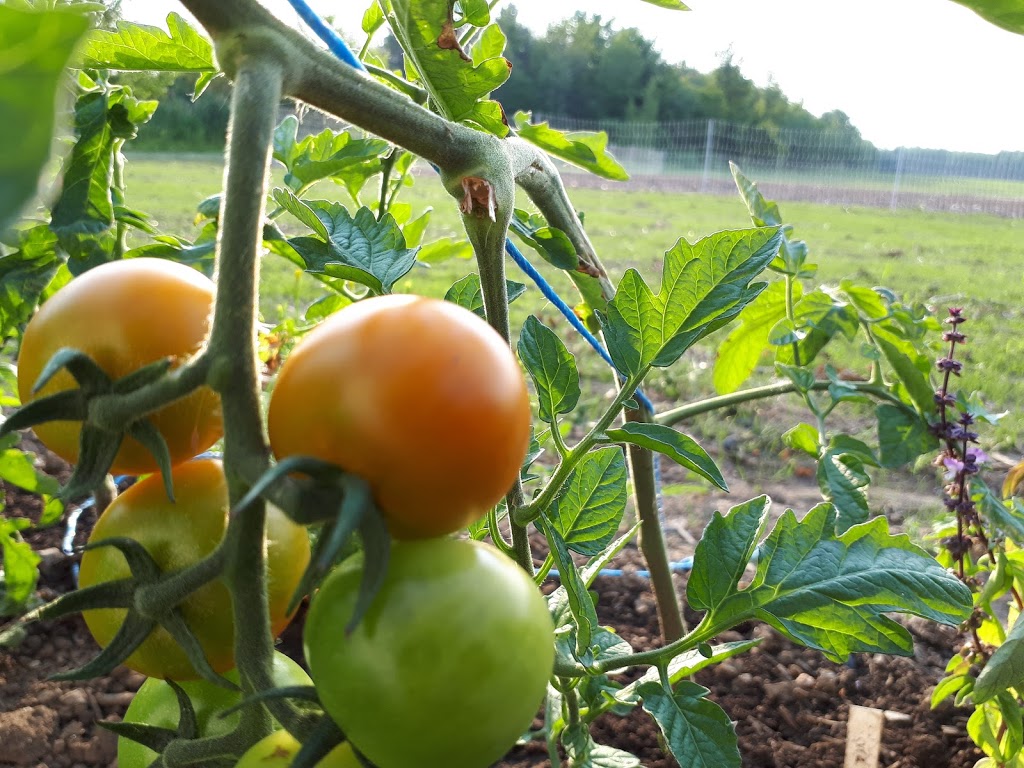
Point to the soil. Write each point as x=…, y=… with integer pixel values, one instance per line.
x=790, y=705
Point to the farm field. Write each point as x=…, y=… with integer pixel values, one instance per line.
x=935, y=258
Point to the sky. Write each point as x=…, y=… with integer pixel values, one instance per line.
x=915, y=73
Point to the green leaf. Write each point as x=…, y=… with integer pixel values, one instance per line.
x=844, y=483
x=491, y=43
x=765, y=213
x=588, y=511
x=20, y=566
x=16, y=467
x=698, y=731
x=475, y=12
x=552, y=368
x=359, y=248
x=466, y=292
x=373, y=18
x=854, y=447
x=584, y=149
x=704, y=286
x=1006, y=516
x=819, y=317
x=583, y=752
x=912, y=368
x=672, y=5
x=1008, y=14
x=456, y=84
x=724, y=552
x=686, y=664
x=25, y=274
x=831, y=592
x=138, y=47
x=902, y=435
x=867, y=300
x=36, y=47
x=445, y=248
x=683, y=450
x=570, y=604
x=739, y=353
x=803, y=437
x=324, y=156
x=1005, y=669
x=552, y=244
x=85, y=205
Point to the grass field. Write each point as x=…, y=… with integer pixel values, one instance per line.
x=974, y=261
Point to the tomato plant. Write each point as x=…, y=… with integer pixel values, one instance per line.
x=418, y=396
x=448, y=667
x=157, y=705
x=176, y=534
x=125, y=315
x=278, y=749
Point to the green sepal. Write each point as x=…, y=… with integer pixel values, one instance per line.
x=149, y=736
x=334, y=538
x=325, y=477
x=96, y=452
x=69, y=405
x=183, y=635
x=132, y=633
x=140, y=562
x=377, y=549
x=303, y=693
x=108, y=594
x=90, y=377
x=315, y=747
x=149, y=436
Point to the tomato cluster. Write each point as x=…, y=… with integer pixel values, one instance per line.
x=419, y=397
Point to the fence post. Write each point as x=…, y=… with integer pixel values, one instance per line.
x=709, y=151
x=896, y=179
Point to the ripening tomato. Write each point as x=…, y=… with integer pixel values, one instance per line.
x=178, y=534
x=449, y=664
x=279, y=749
x=418, y=396
x=156, y=704
x=125, y=315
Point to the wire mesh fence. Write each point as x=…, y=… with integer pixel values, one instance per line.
x=823, y=167
x=811, y=166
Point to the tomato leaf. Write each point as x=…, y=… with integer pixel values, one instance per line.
x=139, y=47
x=552, y=368
x=698, y=731
x=583, y=752
x=20, y=566
x=739, y=353
x=704, y=286
x=36, y=47
x=902, y=435
x=570, y=604
x=358, y=248
x=588, y=511
x=466, y=292
x=553, y=244
x=323, y=156
x=672, y=5
x=445, y=248
x=458, y=86
x=728, y=542
x=911, y=366
x=584, y=149
x=1008, y=14
x=683, y=450
x=818, y=318
x=765, y=213
x=826, y=591
x=844, y=483
x=24, y=275
x=85, y=205
x=16, y=467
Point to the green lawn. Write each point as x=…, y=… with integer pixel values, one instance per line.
x=941, y=259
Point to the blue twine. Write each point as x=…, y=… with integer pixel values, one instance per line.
x=683, y=566
x=330, y=38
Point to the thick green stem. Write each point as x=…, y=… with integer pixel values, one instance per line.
x=791, y=316
x=652, y=536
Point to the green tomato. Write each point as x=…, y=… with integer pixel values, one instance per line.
x=279, y=749
x=449, y=665
x=155, y=704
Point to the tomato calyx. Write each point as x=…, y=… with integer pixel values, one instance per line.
x=343, y=502
x=99, y=443
x=142, y=615
x=157, y=738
